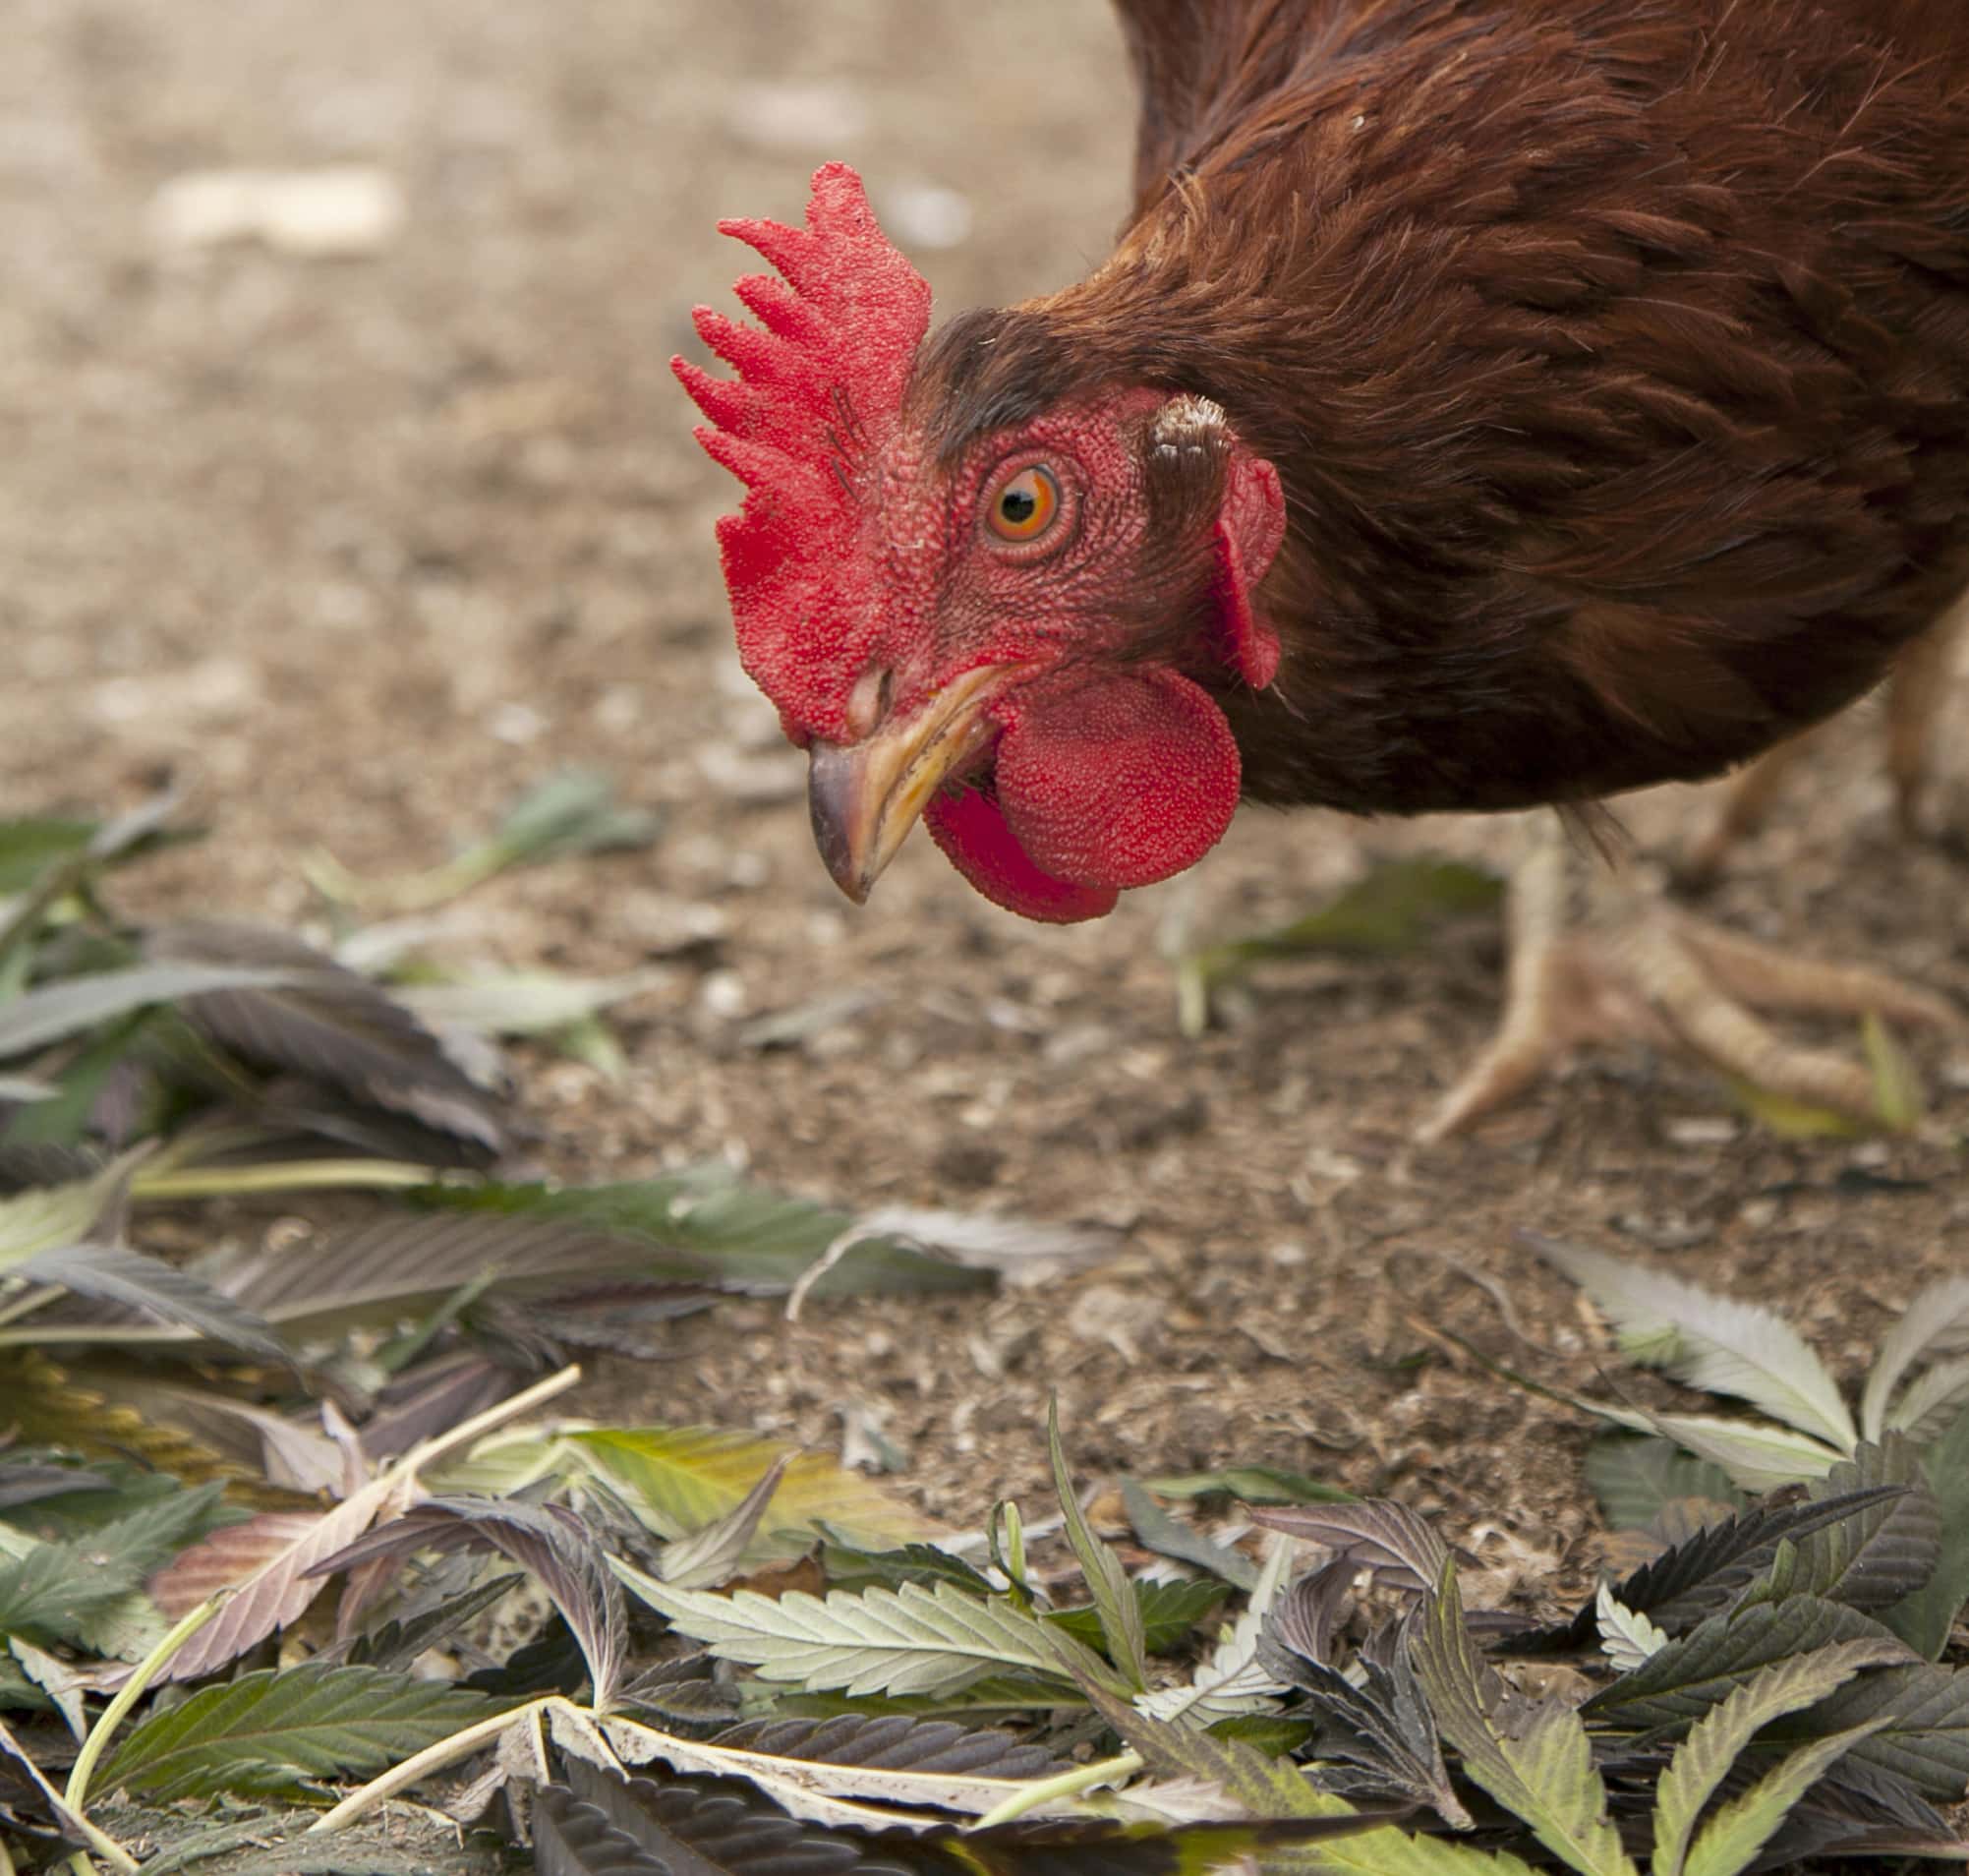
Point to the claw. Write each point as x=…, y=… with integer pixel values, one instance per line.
x=1642, y=971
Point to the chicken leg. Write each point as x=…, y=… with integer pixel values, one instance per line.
x=1916, y=692
x=1633, y=966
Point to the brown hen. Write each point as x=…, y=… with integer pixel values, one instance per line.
x=1490, y=404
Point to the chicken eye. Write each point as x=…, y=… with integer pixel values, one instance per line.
x=1025, y=507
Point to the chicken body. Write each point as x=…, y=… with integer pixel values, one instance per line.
x=1614, y=359
x=1488, y=404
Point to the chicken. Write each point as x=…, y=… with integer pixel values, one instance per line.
x=1490, y=404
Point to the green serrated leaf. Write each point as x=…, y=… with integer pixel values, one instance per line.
x=1635, y=1477
x=1168, y=1613
x=1924, y=1618
x=59, y=1590
x=1934, y=1322
x=1931, y=1401
x=1885, y=1552
x=1703, y=1759
x=108, y=1490
x=907, y=1641
x=1272, y=1787
x=269, y=1731
x=1107, y=1582
x=1680, y=1683
x=848, y=1566
x=1263, y=1785
x=55, y=1678
x=1276, y=1733
x=1544, y=1772
x=1730, y=1841
x=1758, y=1457
x=46, y=1219
x=1923, y=1735
x=1710, y=1341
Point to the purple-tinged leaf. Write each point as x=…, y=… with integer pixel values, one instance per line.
x=313, y=1017
x=572, y=1838
x=712, y=1555
x=410, y=1262
x=895, y=1743
x=139, y=1287
x=27, y=1480
x=1712, y=1568
x=1378, y=1534
x=550, y=1540
x=432, y=1398
x=269, y=1563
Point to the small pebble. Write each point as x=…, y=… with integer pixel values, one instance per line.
x=339, y=211
x=1701, y=1130
x=722, y=996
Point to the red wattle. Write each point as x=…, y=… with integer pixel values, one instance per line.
x=1119, y=780
x=1102, y=783
x=972, y=832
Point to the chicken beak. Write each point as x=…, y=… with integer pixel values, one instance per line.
x=865, y=797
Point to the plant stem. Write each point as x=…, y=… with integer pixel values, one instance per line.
x=467, y=1430
x=27, y=1304
x=1082, y=1777
x=293, y=1175
x=421, y=1765
x=128, y=1695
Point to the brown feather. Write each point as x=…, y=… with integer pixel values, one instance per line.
x=1615, y=354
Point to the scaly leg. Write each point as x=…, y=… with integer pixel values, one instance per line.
x=1916, y=691
x=1632, y=967
x=1748, y=799
x=1916, y=694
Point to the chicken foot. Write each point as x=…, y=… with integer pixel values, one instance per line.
x=1635, y=968
x=1916, y=692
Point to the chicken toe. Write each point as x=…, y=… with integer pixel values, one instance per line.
x=1626, y=966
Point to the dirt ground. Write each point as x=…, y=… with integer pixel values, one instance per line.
x=363, y=547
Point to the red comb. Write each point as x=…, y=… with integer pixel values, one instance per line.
x=816, y=389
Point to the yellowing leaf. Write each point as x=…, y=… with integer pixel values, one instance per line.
x=48, y=1404
x=680, y=1479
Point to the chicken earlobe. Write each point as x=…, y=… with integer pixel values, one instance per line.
x=1197, y=468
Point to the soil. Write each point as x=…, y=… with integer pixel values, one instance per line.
x=360, y=548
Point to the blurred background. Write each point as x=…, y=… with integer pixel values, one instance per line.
x=343, y=475
x=299, y=467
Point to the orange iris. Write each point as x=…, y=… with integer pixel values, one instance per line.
x=1025, y=506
